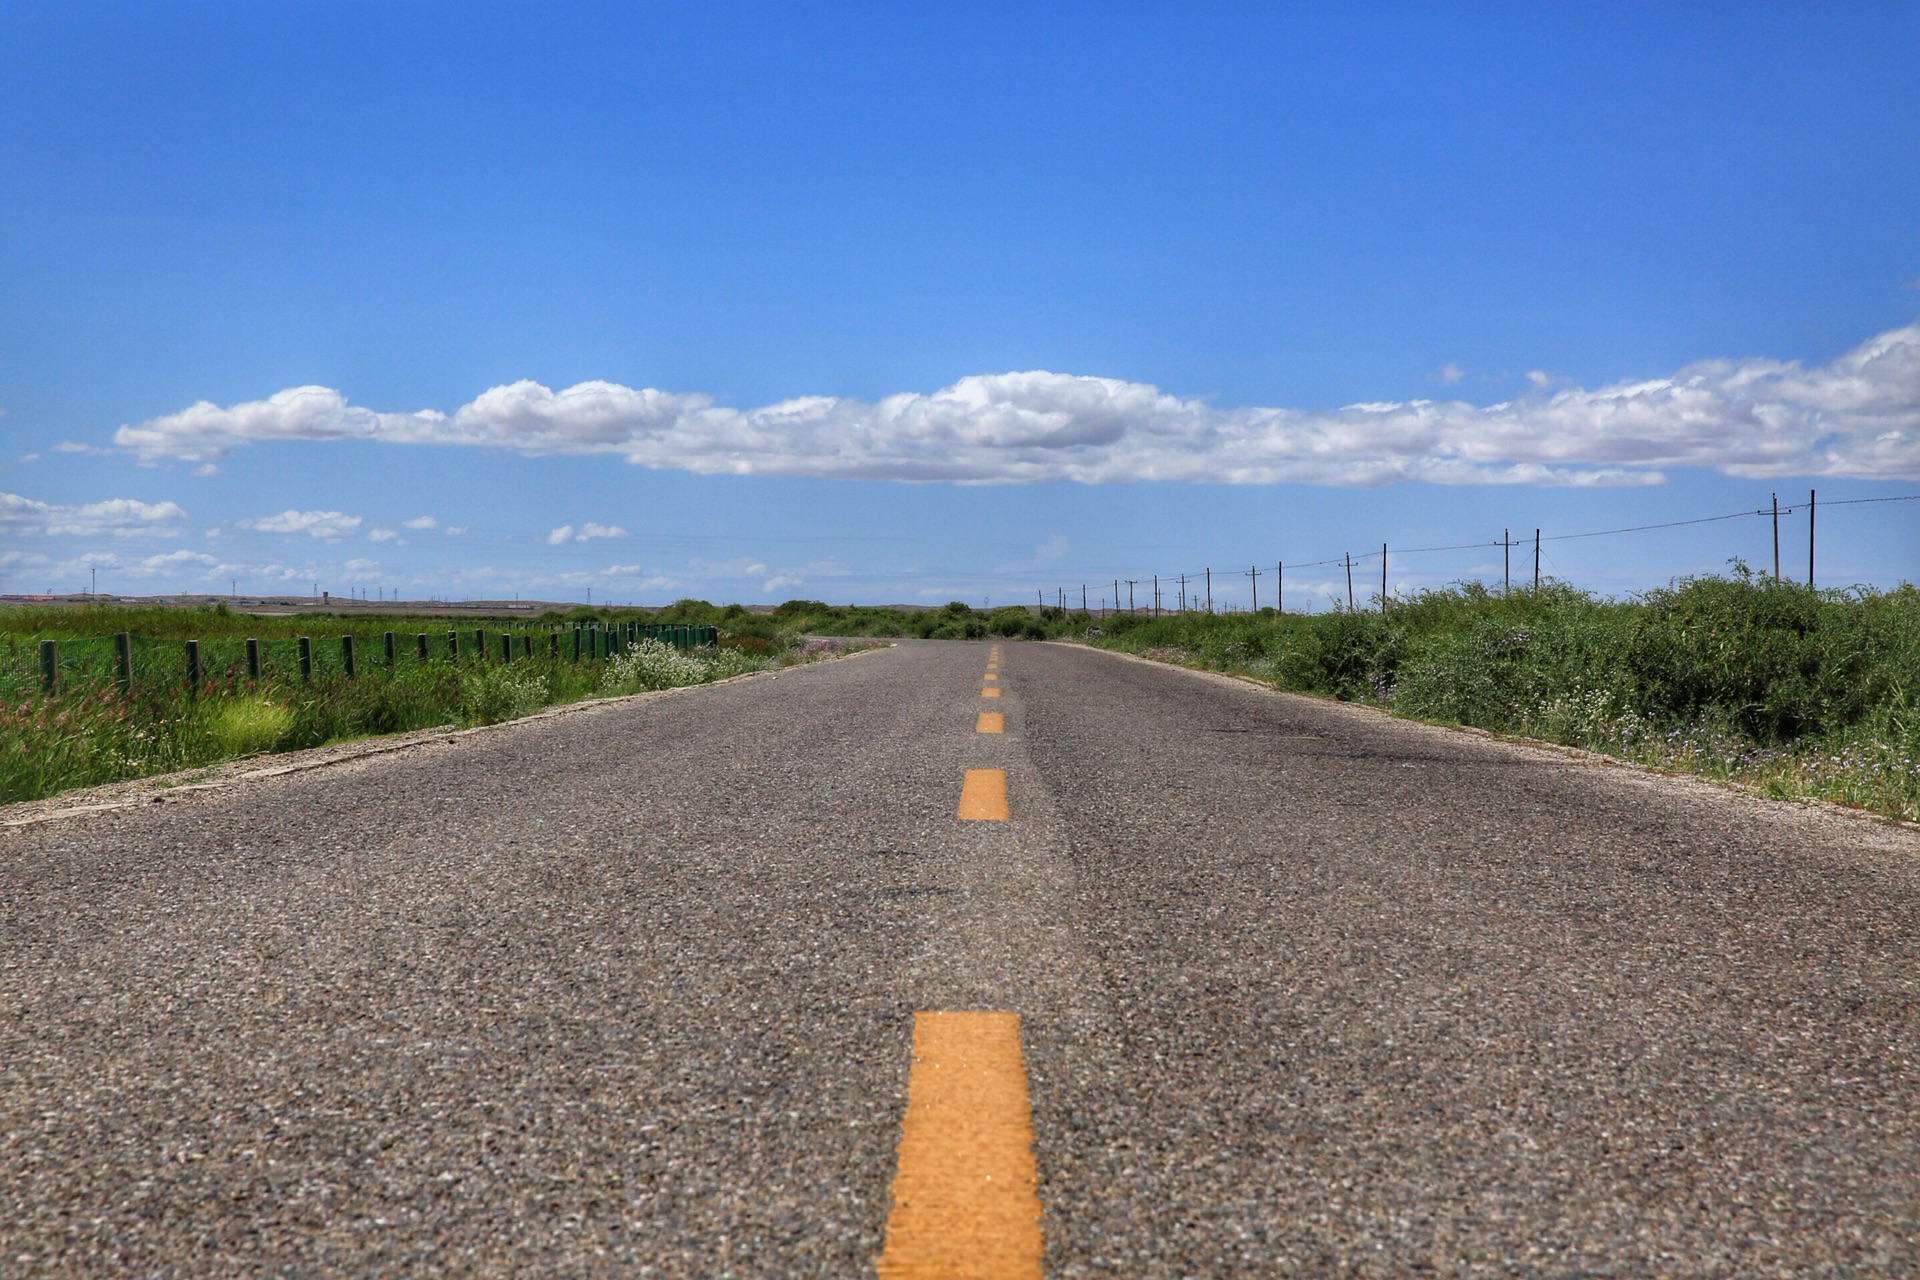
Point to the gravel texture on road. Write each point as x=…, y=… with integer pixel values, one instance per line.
x=1303, y=991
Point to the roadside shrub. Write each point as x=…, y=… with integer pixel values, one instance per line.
x=753, y=646
x=247, y=726
x=649, y=664
x=492, y=694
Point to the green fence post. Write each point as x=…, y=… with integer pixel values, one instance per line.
x=253, y=659
x=193, y=668
x=553, y=645
x=576, y=644
x=123, y=662
x=526, y=644
x=453, y=644
x=305, y=646
x=480, y=643
x=389, y=640
x=420, y=645
x=346, y=654
x=49, y=666
x=506, y=647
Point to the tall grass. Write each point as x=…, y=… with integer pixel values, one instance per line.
x=1793, y=691
x=87, y=734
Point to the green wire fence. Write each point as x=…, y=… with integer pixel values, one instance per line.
x=48, y=666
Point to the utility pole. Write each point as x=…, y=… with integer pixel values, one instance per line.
x=1506, y=562
x=1810, y=497
x=1536, y=559
x=1083, y=597
x=1183, y=593
x=94, y=590
x=1253, y=576
x=1349, y=582
x=1776, y=537
x=1383, y=577
x=1280, y=586
x=1130, y=585
x=1156, y=595
x=1116, y=595
x=1209, y=591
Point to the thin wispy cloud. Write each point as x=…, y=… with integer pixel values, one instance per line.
x=329, y=525
x=1857, y=417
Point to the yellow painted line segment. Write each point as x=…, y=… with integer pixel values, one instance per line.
x=993, y=666
x=992, y=676
x=983, y=795
x=990, y=722
x=965, y=1201
x=989, y=693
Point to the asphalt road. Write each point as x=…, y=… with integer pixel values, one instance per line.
x=1302, y=991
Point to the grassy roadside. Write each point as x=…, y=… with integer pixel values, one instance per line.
x=91, y=735
x=1794, y=693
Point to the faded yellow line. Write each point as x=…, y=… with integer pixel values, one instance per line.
x=983, y=796
x=989, y=693
x=990, y=722
x=965, y=1203
x=993, y=666
x=992, y=676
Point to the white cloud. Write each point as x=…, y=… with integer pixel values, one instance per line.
x=585, y=533
x=1857, y=416
x=381, y=535
x=316, y=524
x=74, y=446
x=206, y=469
x=174, y=561
x=122, y=517
x=421, y=522
x=1448, y=374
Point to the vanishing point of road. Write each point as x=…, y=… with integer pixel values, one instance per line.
x=955, y=960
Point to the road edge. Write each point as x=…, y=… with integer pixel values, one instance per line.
x=158, y=788
x=1532, y=746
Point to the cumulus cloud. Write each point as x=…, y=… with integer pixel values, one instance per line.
x=421, y=522
x=175, y=561
x=121, y=517
x=315, y=524
x=381, y=535
x=585, y=533
x=1857, y=416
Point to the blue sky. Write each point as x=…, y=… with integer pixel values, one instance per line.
x=909, y=303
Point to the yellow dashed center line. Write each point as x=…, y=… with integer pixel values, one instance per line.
x=989, y=693
x=990, y=722
x=983, y=796
x=965, y=1203
x=992, y=676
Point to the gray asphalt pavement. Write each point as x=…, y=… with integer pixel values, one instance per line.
x=1303, y=991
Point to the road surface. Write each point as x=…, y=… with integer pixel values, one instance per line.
x=1294, y=989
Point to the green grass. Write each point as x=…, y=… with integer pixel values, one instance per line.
x=1794, y=692
x=87, y=734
